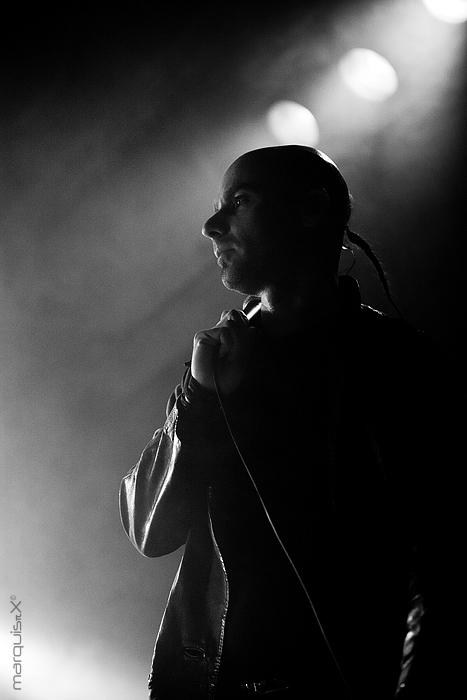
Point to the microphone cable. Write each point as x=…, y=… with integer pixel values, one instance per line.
x=279, y=540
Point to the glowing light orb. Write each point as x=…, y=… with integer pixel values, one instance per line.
x=291, y=122
x=454, y=11
x=368, y=74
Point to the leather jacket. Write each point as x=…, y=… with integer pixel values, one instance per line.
x=169, y=499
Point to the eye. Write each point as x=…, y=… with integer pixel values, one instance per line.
x=238, y=200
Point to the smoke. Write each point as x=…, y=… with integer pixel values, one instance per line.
x=100, y=247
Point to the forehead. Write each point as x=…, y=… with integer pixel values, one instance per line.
x=248, y=173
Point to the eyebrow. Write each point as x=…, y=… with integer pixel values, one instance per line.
x=240, y=186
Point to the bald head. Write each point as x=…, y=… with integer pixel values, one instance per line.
x=294, y=171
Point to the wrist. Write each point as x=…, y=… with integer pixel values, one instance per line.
x=194, y=393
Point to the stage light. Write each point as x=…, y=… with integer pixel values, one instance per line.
x=291, y=122
x=454, y=11
x=368, y=74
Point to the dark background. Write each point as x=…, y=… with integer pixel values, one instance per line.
x=117, y=122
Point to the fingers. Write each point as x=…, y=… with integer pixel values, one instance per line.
x=225, y=347
x=206, y=346
x=220, y=339
x=234, y=316
x=228, y=340
x=211, y=337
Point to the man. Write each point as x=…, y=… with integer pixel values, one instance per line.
x=295, y=467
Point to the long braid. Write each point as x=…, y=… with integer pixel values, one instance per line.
x=363, y=245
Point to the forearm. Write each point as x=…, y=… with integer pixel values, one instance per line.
x=153, y=506
x=163, y=493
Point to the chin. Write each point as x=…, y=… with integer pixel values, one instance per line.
x=237, y=283
x=231, y=284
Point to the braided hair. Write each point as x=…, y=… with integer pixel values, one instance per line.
x=317, y=169
x=366, y=248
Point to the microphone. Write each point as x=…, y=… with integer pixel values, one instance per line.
x=251, y=308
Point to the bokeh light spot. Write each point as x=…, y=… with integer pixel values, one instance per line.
x=454, y=11
x=368, y=74
x=291, y=122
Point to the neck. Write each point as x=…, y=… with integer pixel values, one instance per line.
x=286, y=311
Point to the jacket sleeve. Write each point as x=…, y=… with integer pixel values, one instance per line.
x=163, y=493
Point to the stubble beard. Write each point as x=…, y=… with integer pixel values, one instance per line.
x=244, y=279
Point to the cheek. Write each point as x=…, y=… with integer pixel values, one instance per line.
x=283, y=233
x=282, y=218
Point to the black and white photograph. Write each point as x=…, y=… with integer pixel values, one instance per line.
x=232, y=341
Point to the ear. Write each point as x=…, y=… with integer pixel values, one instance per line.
x=316, y=205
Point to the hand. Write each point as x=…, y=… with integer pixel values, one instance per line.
x=224, y=349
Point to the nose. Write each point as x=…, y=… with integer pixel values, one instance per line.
x=214, y=226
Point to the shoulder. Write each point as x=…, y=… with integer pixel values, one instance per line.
x=370, y=333
x=403, y=358
x=395, y=336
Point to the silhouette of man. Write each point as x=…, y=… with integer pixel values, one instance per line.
x=295, y=466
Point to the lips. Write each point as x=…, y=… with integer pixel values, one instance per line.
x=222, y=256
x=218, y=252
